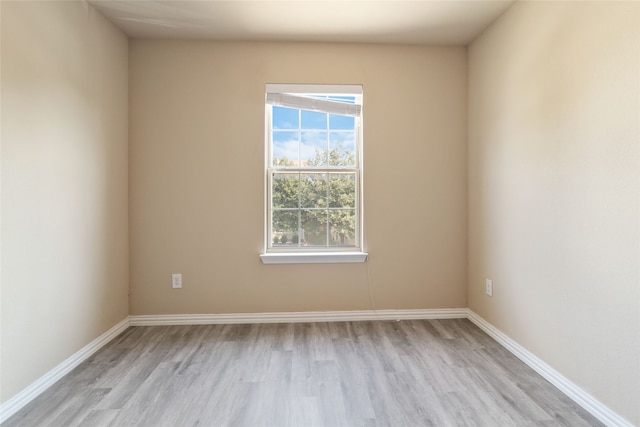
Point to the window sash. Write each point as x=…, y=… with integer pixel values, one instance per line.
x=314, y=248
x=270, y=157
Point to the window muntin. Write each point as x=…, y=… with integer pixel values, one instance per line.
x=313, y=169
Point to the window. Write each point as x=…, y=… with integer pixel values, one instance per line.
x=313, y=173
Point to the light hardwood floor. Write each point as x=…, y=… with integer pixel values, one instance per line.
x=380, y=373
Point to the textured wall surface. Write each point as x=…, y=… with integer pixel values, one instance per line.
x=554, y=113
x=64, y=184
x=197, y=178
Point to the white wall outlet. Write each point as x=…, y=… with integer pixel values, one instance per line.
x=488, y=287
x=176, y=281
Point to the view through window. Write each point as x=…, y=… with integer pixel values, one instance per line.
x=314, y=167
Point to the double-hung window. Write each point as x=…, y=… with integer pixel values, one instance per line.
x=313, y=173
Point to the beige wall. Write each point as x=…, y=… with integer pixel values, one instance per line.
x=64, y=185
x=554, y=218
x=197, y=182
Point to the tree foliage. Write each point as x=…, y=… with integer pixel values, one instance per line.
x=318, y=207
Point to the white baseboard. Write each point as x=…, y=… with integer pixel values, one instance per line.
x=297, y=317
x=17, y=402
x=574, y=392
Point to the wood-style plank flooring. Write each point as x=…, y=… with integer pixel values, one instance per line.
x=379, y=373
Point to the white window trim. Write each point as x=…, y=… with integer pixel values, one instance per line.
x=314, y=256
x=313, y=88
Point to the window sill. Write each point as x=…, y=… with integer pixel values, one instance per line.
x=313, y=257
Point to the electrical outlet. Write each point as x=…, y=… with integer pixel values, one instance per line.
x=488, y=287
x=176, y=281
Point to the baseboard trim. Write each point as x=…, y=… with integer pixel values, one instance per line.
x=296, y=317
x=17, y=402
x=573, y=391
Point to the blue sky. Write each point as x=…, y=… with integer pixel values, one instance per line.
x=300, y=131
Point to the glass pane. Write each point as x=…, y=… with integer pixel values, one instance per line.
x=342, y=226
x=313, y=149
x=285, y=118
x=342, y=149
x=313, y=224
x=313, y=190
x=341, y=122
x=348, y=99
x=286, y=146
x=285, y=190
x=284, y=228
x=342, y=190
x=314, y=120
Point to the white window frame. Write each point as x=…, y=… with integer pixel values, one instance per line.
x=291, y=96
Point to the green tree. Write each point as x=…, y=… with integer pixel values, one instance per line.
x=317, y=202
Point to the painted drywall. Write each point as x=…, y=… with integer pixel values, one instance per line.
x=64, y=184
x=197, y=177
x=554, y=171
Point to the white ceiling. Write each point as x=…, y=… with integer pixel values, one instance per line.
x=362, y=21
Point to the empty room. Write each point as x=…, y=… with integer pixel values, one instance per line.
x=320, y=213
